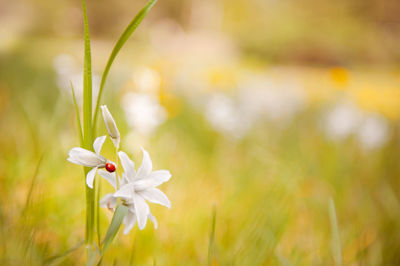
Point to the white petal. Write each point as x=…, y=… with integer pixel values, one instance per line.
x=90, y=177
x=126, y=191
x=72, y=160
x=98, y=143
x=124, y=180
x=154, y=220
x=156, y=196
x=155, y=179
x=110, y=177
x=160, y=176
x=146, y=167
x=110, y=125
x=116, y=142
x=108, y=201
x=129, y=221
x=127, y=164
x=141, y=210
x=87, y=158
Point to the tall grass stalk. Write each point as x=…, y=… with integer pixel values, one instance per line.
x=336, y=246
x=212, y=236
x=87, y=127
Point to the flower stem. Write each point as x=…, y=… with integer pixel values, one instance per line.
x=87, y=127
x=117, y=171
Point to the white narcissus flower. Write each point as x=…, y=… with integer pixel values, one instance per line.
x=111, y=126
x=137, y=187
x=109, y=201
x=94, y=160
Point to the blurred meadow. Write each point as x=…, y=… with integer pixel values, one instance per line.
x=279, y=121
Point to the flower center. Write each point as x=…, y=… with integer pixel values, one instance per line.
x=110, y=167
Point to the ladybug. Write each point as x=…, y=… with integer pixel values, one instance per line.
x=110, y=167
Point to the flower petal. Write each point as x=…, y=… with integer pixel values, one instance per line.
x=142, y=210
x=156, y=196
x=155, y=179
x=86, y=158
x=160, y=176
x=128, y=165
x=108, y=201
x=129, y=221
x=110, y=177
x=90, y=177
x=154, y=220
x=98, y=143
x=146, y=167
x=126, y=191
x=124, y=180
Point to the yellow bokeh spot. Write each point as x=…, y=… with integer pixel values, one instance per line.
x=171, y=103
x=383, y=100
x=340, y=76
x=222, y=78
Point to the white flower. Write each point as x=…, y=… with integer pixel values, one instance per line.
x=111, y=126
x=137, y=187
x=91, y=159
x=143, y=112
x=109, y=201
x=342, y=121
x=373, y=132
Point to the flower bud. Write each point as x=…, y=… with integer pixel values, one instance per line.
x=112, y=129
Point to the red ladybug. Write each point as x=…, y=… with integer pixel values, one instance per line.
x=110, y=167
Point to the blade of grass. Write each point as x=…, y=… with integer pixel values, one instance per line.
x=78, y=117
x=120, y=43
x=87, y=126
x=34, y=179
x=112, y=230
x=336, y=247
x=57, y=258
x=132, y=255
x=212, y=236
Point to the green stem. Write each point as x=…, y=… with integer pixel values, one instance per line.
x=87, y=127
x=98, y=212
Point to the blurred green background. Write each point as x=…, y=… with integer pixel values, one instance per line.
x=263, y=110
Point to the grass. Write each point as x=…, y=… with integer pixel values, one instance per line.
x=272, y=189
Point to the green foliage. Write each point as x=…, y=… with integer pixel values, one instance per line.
x=120, y=43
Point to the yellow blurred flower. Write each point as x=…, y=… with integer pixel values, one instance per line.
x=383, y=100
x=171, y=103
x=340, y=77
x=222, y=77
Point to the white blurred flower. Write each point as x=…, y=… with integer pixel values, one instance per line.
x=93, y=160
x=225, y=117
x=143, y=112
x=342, y=121
x=136, y=188
x=146, y=79
x=260, y=97
x=373, y=132
x=111, y=126
x=68, y=72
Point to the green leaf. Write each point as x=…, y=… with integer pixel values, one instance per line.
x=212, y=236
x=87, y=126
x=112, y=230
x=32, y=186
x=58, y=258
x=336, y=247
x=78, y=117
x=120, y=43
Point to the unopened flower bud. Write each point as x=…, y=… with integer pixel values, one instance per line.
x=112, y=129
